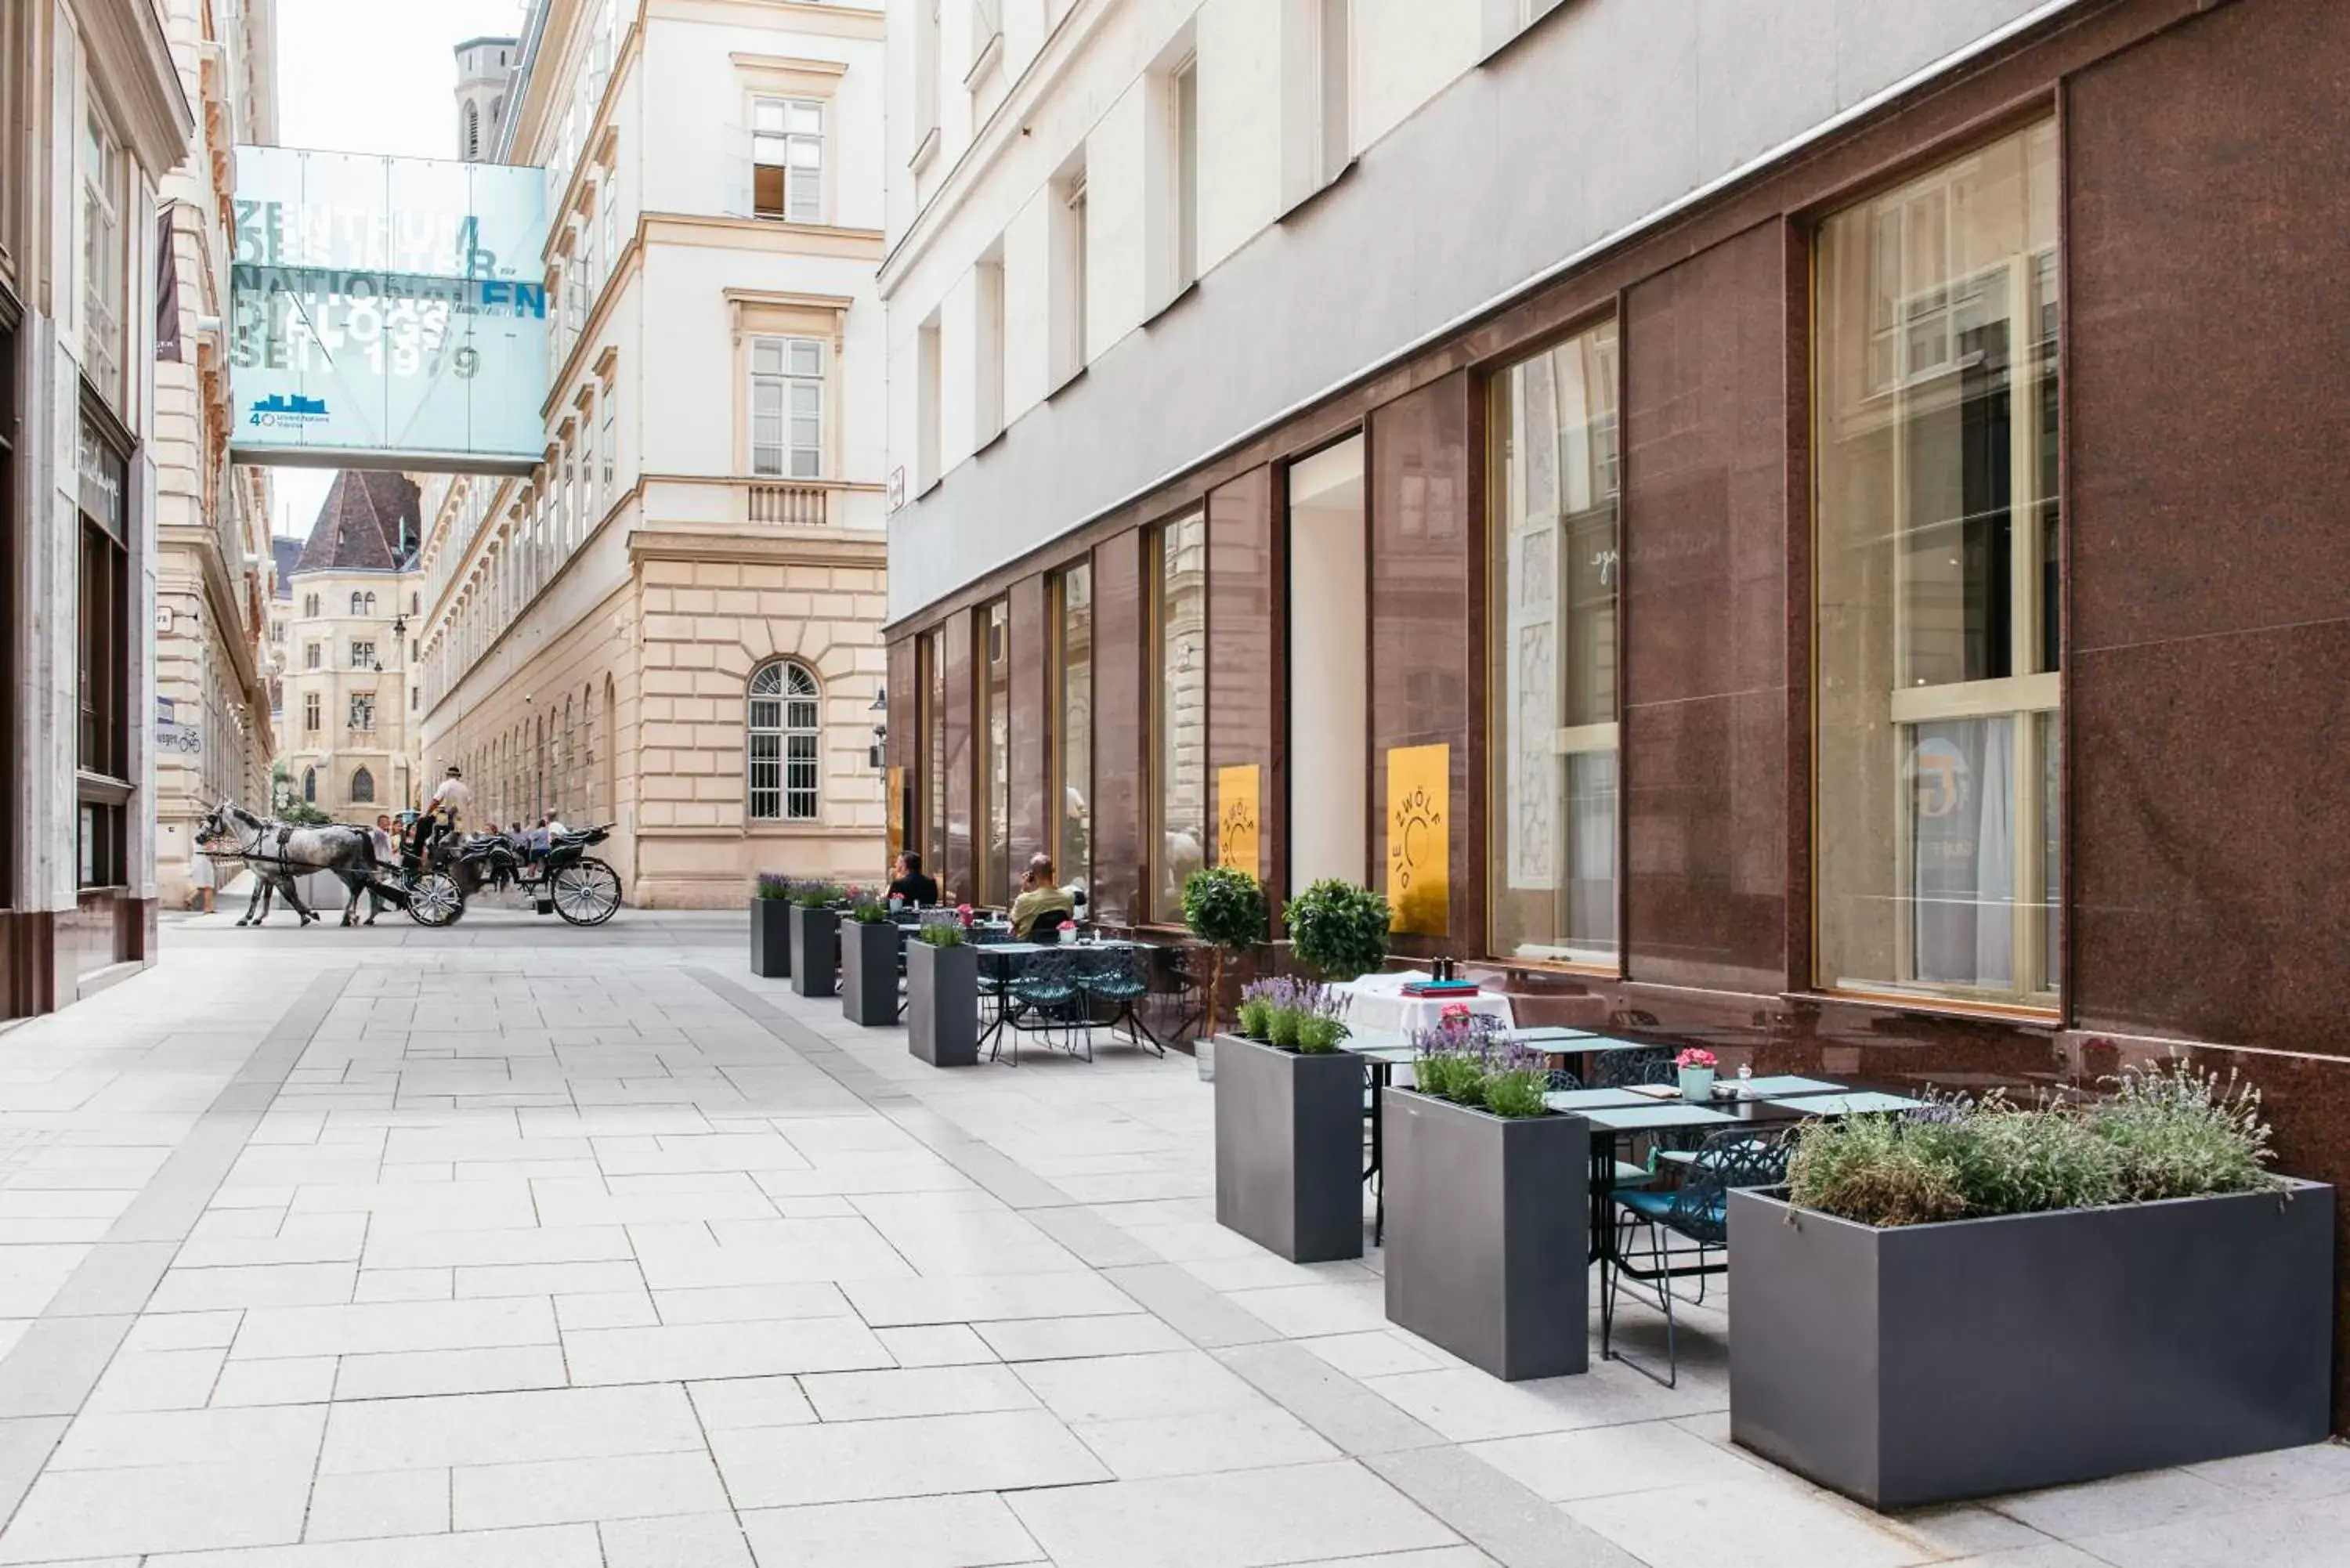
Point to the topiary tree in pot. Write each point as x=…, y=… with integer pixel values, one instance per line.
x=1223, y=906
x=1339, y=931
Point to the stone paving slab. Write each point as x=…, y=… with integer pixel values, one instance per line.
x=515, y=1244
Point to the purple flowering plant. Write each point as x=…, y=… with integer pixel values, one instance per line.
x=1463, y=1059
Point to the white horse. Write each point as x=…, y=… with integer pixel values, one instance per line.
x=279, y=851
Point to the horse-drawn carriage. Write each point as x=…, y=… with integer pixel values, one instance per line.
x=431, y=884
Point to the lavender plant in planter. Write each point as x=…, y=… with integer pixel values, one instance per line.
x=1487, y=1208
x=771, y=930
x=1289, y=1124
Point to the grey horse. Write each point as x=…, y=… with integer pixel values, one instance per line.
x=279, y=851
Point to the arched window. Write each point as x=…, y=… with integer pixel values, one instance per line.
x=367, y=603
x=362, y=787
x=310, y=785
x=784, y=744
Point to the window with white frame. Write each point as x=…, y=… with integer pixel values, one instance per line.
x=103, y=289
x=607, y=207
x=362, y=655
x=788, y=408
x=590, y=262
x=787, y=160
x=1184, y=89
x=786, y=739
x=363, y=710
x=608, y=443
x=590, y=503
x=1068, y=291
x=986, y=27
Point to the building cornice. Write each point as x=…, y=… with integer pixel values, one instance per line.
x=772, y=235
x=764, y=545
x=139, y=79
x=832, y=21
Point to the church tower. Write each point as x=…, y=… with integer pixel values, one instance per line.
x=484, y=68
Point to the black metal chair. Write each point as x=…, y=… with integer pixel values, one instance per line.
x=1046, y=988
x=1698, y=1213
x=1115, y=977
x=1619, y=1069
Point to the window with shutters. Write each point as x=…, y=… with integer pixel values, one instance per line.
x=786, y=739
x=787, y=160
x=788, y=408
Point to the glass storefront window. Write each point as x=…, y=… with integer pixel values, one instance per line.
x=1072, y=714
x=932, y=651
x=995, y=761
x=1179, y=598
x=1555, y=581
x=1936, y=578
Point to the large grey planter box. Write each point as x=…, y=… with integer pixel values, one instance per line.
x=770, y=938
x=1927, y=1363
x=1487, y=1234
x=868, y=973
x=816, y=950
x=1289, y=1148
x=943, y=1004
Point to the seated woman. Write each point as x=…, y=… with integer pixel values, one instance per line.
x=1040, y=899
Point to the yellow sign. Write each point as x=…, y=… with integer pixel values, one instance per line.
x=1237, y=820
x=1419, y=851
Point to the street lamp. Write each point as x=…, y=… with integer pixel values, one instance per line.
x=880, y=727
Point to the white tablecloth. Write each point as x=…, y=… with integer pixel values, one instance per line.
x=1377, y=1002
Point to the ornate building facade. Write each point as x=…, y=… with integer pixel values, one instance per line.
x=671, y=625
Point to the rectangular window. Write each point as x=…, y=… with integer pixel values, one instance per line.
x=986, y=27
x=1070, y=718
x=608, y=443
x=310, y=711
x=932, y=651
x=1186, y=94
x=1335, y=73
x=995, y=729
x=988, y=402
x=362, y=711
x=362, y=655
x=928, y=419
x=589, y=498
x=607, y=207
x=1938, y=546
x=929, y=41
x=590, y=264
x=1179, y=716
x=103, y=289
x=1068, y=329
x=312, y=654
x=1554, y=577
x=788, y=408
x=787, y=160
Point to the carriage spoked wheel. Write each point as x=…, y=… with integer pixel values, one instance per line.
x=586, y=892
x=435, y=899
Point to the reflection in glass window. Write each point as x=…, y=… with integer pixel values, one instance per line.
x=996, y=763
x=1555, y=578
x=1938, y=540
x=1179, y=602
x=1073, y=713
x=932, y=651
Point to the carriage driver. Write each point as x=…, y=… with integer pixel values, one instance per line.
x=445, y=812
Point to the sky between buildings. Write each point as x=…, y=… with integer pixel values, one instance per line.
x=370, y=76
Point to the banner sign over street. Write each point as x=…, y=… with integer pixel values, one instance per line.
x=387, y=312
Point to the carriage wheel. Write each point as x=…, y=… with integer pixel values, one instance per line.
x=435, y=899
x=587, y=893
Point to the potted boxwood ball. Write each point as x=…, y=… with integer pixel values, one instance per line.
x=1984, y=1298
x=868, y=966
x=1487, y=1209
x=1289, y=1125
x=1223, y=906
x=771, y=930
x=815, y=939
x=942, y=997
x=1340, y=930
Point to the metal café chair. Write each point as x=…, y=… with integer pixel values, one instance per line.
x=1048, y=987
x=1695, y=1212
x=1115, y=977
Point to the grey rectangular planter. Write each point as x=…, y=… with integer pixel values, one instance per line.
x=1289, y=1148
x=1927, y=1363
x=868, y=973
x=816, y=950
x=943, y=1004
x=770, y=938
x=1488, y=1250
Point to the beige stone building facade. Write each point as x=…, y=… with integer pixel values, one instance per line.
x=671, y=625
x=349, y=684
x=213, y=566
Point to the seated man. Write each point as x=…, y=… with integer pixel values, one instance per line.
x=1041, y=903
x=917, y=890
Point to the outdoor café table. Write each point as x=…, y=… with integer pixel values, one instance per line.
x=1004, y=958
x=1609, y=1122
x=1382, y=1052
x=1854, y=1103
x=1377, y=1002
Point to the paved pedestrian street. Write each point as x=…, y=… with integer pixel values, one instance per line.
x=522, y=1245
